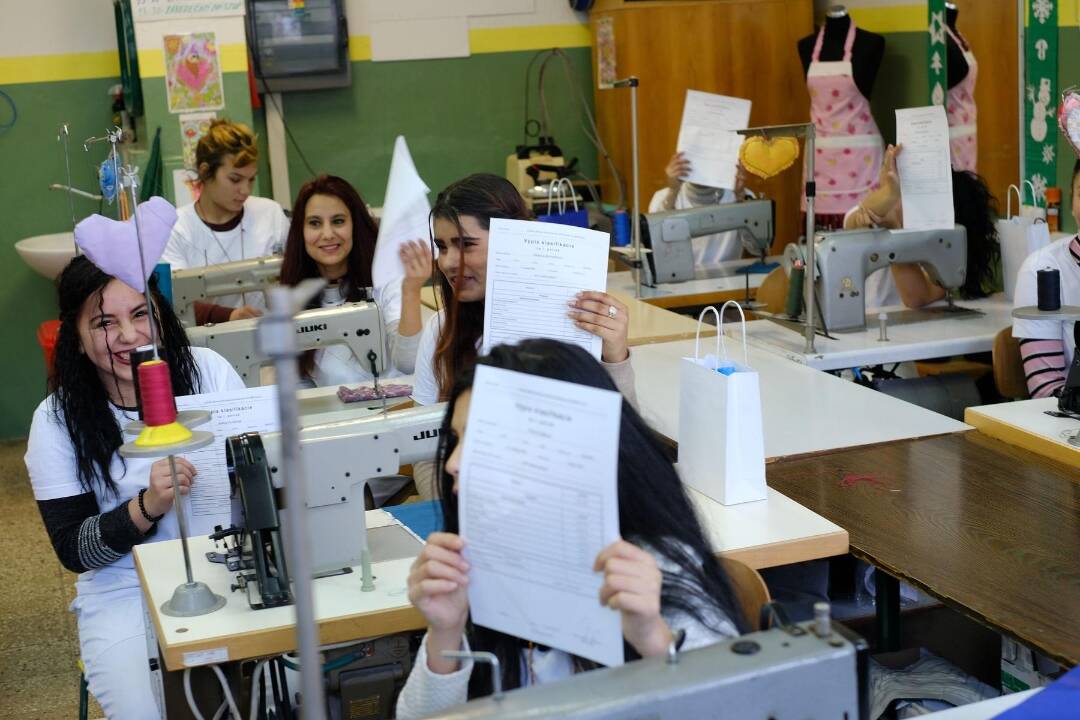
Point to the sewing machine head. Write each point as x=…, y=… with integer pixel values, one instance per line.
x=339, y=459
x=357, y=325
x=667, y=235
x=205, y=283
x=845, y=258
x=806, y=676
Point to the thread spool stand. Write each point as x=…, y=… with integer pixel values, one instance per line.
x=163, y=435
x=1049, y=307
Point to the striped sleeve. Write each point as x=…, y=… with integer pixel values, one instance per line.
x=85, y=539
x=1044, y=366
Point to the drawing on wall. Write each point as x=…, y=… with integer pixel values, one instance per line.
x=193, y=73
x=192, y=127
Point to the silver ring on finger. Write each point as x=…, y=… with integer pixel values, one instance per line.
x=612, y=312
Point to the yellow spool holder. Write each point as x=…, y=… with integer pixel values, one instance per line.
x=156, y=436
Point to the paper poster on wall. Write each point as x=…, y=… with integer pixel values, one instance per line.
x=192, y=127
x=168, y=9
x=605, y=53
x=185, y=187
x=193, y=72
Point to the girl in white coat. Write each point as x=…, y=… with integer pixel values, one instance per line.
x=95, y=504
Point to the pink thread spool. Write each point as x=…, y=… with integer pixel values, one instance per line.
x=158, y=403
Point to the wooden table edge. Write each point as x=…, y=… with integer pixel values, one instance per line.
x=281, y=639
x=1032, y=642
x=1021, y=437
x=785, y=552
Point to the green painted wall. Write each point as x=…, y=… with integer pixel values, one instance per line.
x=459, y=116
x=32, y=159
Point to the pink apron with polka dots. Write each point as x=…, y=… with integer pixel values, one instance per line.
x=849, y=147
x=961, y=113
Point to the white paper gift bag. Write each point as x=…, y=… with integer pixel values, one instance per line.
x=1020, y=235
x=721, y=441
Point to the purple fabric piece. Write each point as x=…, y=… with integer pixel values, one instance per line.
x=364, y=393
x=113, y=245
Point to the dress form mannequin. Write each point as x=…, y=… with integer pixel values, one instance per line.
x=958, y=66
x=841, y=63
x=960, y=102
x=866, y=53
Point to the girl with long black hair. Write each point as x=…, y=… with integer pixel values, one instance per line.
x=95, y=504
x=662, y=577
x=461, y=219
x=908, y=283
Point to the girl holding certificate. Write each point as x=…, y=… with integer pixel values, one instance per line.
x=450, y=339
x=661, y=578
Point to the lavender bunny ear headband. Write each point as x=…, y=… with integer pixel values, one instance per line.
x=113, y=245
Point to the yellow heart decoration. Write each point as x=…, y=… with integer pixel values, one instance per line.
x=765, y=157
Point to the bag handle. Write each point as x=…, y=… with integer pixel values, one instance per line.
x=567, y=195
x=697, y=335
x=720, y=330
x=1008, y=200
x=1034, y=197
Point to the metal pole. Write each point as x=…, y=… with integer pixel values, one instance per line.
x=278, y=340
x=65, y=136
x=132, y=183
x=636, y=229
x=1021, y=74
x=811, y=266
x=181, y=520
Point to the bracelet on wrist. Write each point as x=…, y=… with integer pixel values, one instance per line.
x=142, y=509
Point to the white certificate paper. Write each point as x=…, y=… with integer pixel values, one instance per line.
x=708, y=139
x=537, y=503
x=925, y=168
x=231, y=413
x=533, y=271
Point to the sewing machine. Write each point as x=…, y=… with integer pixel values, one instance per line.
x=666, y=236
x=204, y=283
x=846, y=257
x=357, y=325
x=339, y=459
x=786, y=672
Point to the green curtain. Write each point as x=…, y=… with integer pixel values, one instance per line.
x=129, y=57
x=937, y=54
x=152, y=181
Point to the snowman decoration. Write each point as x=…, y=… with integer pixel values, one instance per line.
x=1040, y=110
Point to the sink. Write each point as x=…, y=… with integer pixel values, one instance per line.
x=47, y=254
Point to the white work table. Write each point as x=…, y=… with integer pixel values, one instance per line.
x=235, y=632
x=803, y=411
x=1026, y=424
x=923, y=340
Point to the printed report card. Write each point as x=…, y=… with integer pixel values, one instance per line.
x=537, y=503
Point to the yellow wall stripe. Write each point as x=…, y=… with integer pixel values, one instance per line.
x=529, y=37
x=907, y=17
x=233, y=59
x=51, y=68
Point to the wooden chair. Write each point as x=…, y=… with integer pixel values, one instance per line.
x=749, y=587
x=773, y=291
x=1009, y=366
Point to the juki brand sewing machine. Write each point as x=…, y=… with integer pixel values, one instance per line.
x=790, y=671
x=339, y=460
x=667, y=235
x=846, y=257
x=357, y=325
x=204, y=283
